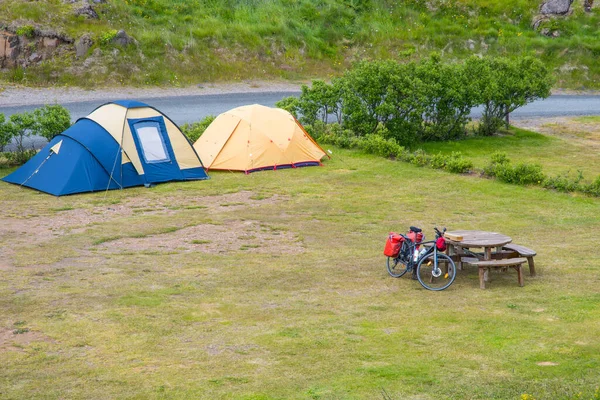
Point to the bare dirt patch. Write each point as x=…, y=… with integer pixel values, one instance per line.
x=16, y=340
x=249, y=236
x=24, y=228
x=19, y=228
x=547, y=364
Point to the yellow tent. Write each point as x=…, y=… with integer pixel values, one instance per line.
x=255, y=137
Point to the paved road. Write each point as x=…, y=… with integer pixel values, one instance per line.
x=181, y=109
x=185, y=109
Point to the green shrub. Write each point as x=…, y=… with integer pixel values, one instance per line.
x=318, y=102
x=5, y=133
x=19, y=157
x=418, y=158
x=377, y=144
x=498, y=160
x=194, y=130
x=520, y=174
x=438, y=161
x=365, y=89
x=333, y=134
x=290, y=104
x=457, y=164
x=564, y=183
x=504, y=84
x=454, y=163
x=446, y=98
x=19, y=127
x=46, y=122
x=593, y=188
x=51, y=120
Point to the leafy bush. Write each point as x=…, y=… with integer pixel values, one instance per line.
x=503, y=85
x=521, y=174
x=19, y=127
x=454, y=163
x=5, y=133
x=498, y=161
x=290, y=104
x=564, y=183
x=46, y=122
x=51, y=120
x=418, y=158
x=377, y=144
x=19, y=157
x=447, y=99
x=194, y=130
x=457, y=164
x=320, y=101
x=365, y=89
x=422, y=101
x=593, y=188
x=333, y=134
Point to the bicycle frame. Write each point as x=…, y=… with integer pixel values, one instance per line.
x=411, y=262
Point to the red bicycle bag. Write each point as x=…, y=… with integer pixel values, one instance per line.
x=415, y=237
x=440, y=243
x=393, y=245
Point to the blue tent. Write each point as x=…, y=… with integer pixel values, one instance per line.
x=119, y=145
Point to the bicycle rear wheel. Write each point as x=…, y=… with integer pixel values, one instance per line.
x=396, y=267
x=436, y=275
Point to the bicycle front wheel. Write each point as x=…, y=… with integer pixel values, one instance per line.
x=436, y=272
x=396, y=268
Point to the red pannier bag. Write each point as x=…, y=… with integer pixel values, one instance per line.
x=393, y=245
x=415, y=237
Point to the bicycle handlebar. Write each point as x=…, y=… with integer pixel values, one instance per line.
x=438, y=233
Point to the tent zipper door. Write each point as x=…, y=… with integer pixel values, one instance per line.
x=155, y=150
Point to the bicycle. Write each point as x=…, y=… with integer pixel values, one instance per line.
x=433, y=269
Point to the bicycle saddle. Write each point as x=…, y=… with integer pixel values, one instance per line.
x=415, y=229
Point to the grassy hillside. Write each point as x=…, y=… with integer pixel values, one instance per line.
x=187, y=42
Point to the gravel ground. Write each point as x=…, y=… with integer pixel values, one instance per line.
x=24, y=96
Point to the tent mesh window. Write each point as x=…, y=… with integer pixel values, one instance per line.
x=153, y=146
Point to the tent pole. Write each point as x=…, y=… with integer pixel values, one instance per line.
x=110, y=178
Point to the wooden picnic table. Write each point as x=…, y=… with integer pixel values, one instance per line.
x=492, y=255
x=477, y=239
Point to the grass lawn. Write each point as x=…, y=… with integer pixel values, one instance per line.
x=273, y=286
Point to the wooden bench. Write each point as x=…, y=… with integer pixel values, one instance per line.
x=517, y=251
x=469, y=260
x=484, y=267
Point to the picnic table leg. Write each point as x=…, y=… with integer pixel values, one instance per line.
x=531, y=266
x=482, y=277
x=454, y=251
x=487, y=255
x=519, y=269
x=499, y=255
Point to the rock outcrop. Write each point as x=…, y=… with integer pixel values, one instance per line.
x=556, y=7
x=83, y=45
x=87, y=11
x=123, y=39
x=553, y=9
x=20, y=50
